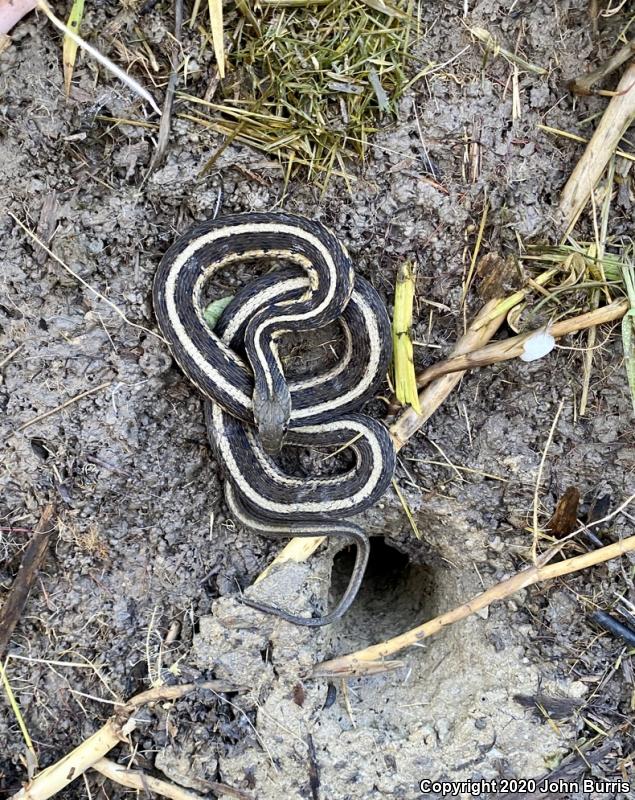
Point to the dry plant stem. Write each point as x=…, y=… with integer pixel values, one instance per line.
x=123, y=76
x=492, y=44
x=80, y=396
x=615, y=120
x=514, y=347
x=163, y=693
x=583, y=84
x=74, y=764
x=11, y=355
x=135, y=779
x=371, y=659
x=408, y=423
x=430, y=399
x=89, y=752
x=79, y=279
x=166, y=118
x=19, y=592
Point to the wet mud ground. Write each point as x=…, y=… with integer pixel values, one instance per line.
x=140, y=585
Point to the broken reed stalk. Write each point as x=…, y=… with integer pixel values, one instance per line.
x=89, y=753
x=135, y=779
x=409, y=422
x=402, y=352
x=370, y=660
x=619, y=114
x=584, y=83
x=514, y=346
x=56, y=777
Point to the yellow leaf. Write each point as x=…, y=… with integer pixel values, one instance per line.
x=69, y=51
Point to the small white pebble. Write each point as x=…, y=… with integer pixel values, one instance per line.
x=538, y=346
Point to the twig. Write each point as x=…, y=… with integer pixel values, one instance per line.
x=536, y=532
x=162, y=693
x=67, y=769
x=588, y=171
x=13, y=353
x=582, y=85
x=135, y=779
x=166, y=118
x=52, y=411
x=116, y=729
x=492, y=44
x=371, y=659
x=514, y=346
x=19, y=592
x=84, y=283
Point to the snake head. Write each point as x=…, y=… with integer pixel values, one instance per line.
x=272, y=416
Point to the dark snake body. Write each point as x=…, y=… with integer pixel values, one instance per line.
x=318, y=289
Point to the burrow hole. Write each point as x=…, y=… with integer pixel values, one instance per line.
x=395, y=595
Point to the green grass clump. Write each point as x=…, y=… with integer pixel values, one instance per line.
x=310, y=82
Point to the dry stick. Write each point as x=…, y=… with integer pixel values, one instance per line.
x=75, y=763
x=162, y=693
x=19, y=592
x=79, y=278
x=618, y=116
x=370, y=660
x=408, y=423
x=100, y=57
x=583, y=84
x=514, y=347
x=166, y=118
x=135, y=779
x=68, y=403
x=13, y=353
x=59, y=775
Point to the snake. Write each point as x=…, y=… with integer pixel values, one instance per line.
x=251, y=409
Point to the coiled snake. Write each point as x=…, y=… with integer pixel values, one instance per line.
x=252, y=408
